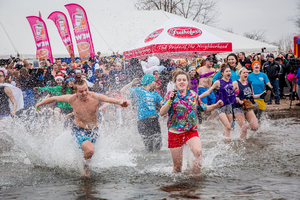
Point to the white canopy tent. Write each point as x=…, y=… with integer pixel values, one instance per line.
x=177, y=38
x=111, y=32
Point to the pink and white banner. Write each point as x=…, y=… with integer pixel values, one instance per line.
x=40, y=34
x=81, y=30
x=62, y=25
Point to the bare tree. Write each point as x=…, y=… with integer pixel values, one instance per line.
x=203, y=11
x=296, y=18
x=228, y=29
x=285, y=43
x=258, y=35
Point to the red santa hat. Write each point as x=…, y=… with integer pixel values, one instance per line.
x=57, y=76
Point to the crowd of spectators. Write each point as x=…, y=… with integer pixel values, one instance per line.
x=107, y=75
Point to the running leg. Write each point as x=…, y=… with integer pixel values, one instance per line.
x=177, y=158
x=226, y=122
x=196, y=147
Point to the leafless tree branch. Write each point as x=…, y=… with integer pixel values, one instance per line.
x=203, y=11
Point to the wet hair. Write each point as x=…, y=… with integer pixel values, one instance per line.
x=180, y=72
x=64, y=88
x=78, y=82
x=24, y=73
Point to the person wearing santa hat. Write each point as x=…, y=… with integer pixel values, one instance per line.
x=59, y=79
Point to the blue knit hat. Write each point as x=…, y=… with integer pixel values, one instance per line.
x=147, y=79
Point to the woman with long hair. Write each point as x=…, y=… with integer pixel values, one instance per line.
x=194, y=79
x=66, y=88
x=244, y=94
x=181, y=105
x=224, y=91
x=233, y=63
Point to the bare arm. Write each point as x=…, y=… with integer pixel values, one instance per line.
x=214, y=106
x=164, y=109
x=104, y=98
x=126, y=87
x=236, y=88
x=26, y=64
x=215, y=85
x=269, y=84
x=104, y=106
x=12, y=99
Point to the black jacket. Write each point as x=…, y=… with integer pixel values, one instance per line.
x=245, y=62
x=273, y=70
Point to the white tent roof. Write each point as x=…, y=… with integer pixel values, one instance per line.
x=111, y=32
x=177, y=38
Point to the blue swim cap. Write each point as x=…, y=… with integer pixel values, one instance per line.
x=147, y=79
x=70, y=79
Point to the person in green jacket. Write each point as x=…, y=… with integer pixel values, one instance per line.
x=67, y=88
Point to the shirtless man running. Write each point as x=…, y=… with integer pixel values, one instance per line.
x=206, y=73
x=85, y=105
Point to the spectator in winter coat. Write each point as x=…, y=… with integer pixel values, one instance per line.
x=273, y=70
x=245, y=62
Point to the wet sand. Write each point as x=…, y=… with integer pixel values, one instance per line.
x=283, y=109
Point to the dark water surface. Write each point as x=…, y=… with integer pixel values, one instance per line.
x=39, y=160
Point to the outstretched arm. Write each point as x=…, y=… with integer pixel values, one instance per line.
x=217, y=76
x=104, y=98
x=63, y=98
x=215, y=85
x=126, y=87
x=214, y=106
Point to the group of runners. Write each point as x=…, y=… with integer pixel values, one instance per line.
x=228, y=92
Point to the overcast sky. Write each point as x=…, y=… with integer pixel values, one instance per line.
x=270, y=16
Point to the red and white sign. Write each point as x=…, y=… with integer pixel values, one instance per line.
x=184, y=32
x=178, y=39
x=153, y=35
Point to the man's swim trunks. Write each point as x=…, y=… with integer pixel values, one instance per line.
x=83, y=134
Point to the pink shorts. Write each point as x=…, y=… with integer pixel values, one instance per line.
x=179, y=139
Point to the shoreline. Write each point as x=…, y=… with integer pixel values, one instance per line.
x=283, y=110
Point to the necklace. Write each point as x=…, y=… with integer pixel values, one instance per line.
x=187, y=93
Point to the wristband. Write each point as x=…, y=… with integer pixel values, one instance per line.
x=72, y=113
x=169, y=102
x=37, y=108
x=132, y=83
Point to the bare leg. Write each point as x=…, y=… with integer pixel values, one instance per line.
x=57, y=113
x=196, y=147
x=226, y=120
x=213, y=114
x=252, y=120
x=177, y=158
x=89, y=150
x=240, y=118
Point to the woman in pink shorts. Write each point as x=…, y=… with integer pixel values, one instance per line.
x=181, y=106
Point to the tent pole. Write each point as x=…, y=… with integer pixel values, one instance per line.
x=100, y=35
x=9, y=38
